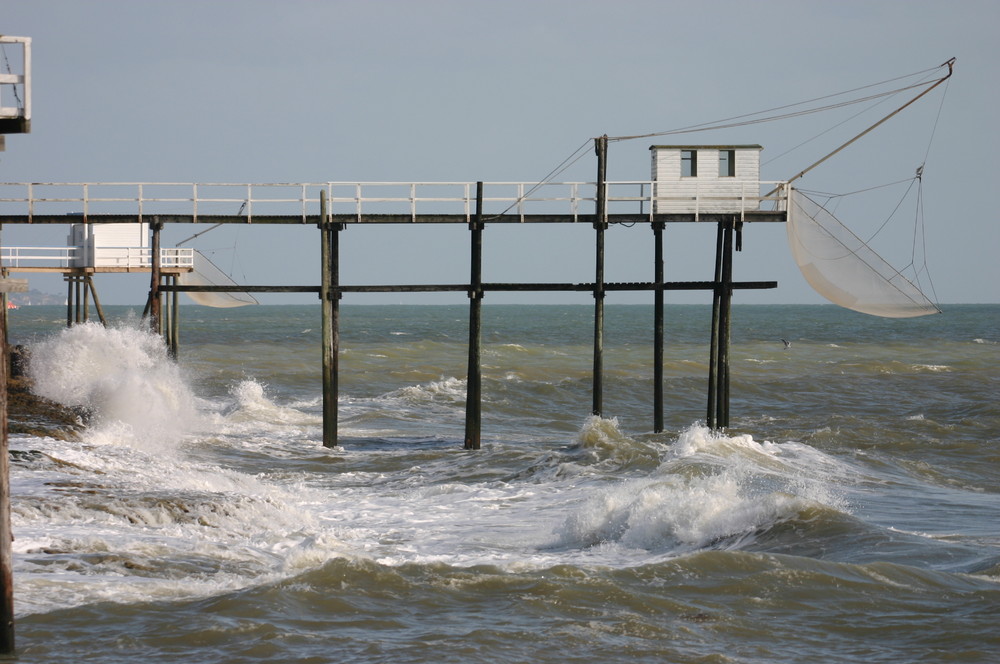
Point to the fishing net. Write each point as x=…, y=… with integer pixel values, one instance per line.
x=205, y=273
x=843, y=269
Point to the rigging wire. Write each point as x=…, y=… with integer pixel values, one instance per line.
x=731, y=121
x=718, y=124
x=565, y=164
x=829, y=129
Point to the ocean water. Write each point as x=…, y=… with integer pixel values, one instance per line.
x=851, y=513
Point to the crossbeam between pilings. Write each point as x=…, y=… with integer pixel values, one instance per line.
x=486, y=286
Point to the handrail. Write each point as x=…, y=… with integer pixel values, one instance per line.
x=409, y=198
x=73, y=257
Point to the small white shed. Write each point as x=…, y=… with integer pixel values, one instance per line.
x=696, y=179
x=110, y=245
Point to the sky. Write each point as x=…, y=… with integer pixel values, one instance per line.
x=294, y=91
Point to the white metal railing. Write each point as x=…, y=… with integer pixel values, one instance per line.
x=28, y=256
x=106, y=257
x=363, y=198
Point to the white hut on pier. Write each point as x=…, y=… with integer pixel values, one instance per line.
x=693, y=179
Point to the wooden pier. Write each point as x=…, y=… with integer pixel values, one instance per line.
x=599, y=204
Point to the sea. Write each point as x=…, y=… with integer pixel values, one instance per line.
x=849, y=513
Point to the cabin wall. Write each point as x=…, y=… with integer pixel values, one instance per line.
x=110, y=245
x=707, y=191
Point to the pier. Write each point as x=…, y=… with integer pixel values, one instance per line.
x=333, y=206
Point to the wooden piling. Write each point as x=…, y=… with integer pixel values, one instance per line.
x=600, y=225
x=78, y=287
x=718, y=364
x=155, y=305
x=6, y=535
x=330, y=267
x=171, y=320
x=474, y=382
x=713, y=348
x=97, y=301
x=658, y=327
x=69, y=300
x=725, y=322
x=82, y=282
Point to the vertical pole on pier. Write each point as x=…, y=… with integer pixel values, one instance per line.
x=86, y=299
x=725, y=325
x=173, y=332
x=600, y=225
x=6, y=535
x=713, y=349
x=97, y=301
x=69, y=299
x=79, y=298
x=658, y=328
x=718, y=378
x=330, y=268
x=474, y=393
x=155, y=305
x=167, y=324
x=177, y=319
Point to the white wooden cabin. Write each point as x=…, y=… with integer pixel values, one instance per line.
x=693, y=179
x=110, y=245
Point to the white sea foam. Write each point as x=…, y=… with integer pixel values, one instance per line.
x=122, y=376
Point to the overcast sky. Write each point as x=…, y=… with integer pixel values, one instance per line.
x=296, y=91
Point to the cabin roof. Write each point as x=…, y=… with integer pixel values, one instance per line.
x=706, y=147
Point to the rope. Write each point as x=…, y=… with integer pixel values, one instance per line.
x=566, y=163
x=718, y=124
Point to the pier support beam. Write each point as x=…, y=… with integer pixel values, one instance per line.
x=171, y=319
x=155, y=305
x=474, y=387
x=718, y=366
x=330, y=297
x=600, y=225
x=6, y=533
x=658, y=327
x=89, y=284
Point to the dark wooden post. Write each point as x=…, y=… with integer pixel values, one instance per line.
x=718, y=370
x=167, y=324
x=174, y=329
x=329, y=259
x=155, y=304
x=713, y=349
x=474, y=387
x=97, y=301
x=600, y=225
x=658, y=328
x=726, y=326
x=78, y=282
x=69, y=299
x=86, y=298
x=6, y=534
x=177, y=320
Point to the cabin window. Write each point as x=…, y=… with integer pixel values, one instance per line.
x=689, y=163
x=727, y=163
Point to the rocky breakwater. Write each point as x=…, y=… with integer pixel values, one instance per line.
x=30, y=414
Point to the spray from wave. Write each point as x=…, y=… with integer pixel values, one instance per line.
x=707, y=489
x=122, y=377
